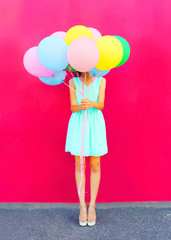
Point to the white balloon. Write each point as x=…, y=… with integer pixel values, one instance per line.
x=60, y=34
x=96, y=33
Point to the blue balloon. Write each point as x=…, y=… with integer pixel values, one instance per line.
x=52, y=53
x=94, y=72
x=57, y=78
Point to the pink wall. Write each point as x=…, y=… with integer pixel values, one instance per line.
x=34, y=117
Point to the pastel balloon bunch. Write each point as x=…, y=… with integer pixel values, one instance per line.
x=80, y=49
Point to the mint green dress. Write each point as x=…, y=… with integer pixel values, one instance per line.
x=95, y=142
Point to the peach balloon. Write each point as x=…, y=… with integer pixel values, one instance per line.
x=83, y=54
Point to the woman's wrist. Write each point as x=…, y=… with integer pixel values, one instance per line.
x=97, y=105
x=76, y=108
x=81, y=107
x=92, y=103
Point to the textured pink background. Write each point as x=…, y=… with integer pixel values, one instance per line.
x=34, y=117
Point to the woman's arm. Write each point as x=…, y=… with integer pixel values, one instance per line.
x=74, y=106
x=100, y=104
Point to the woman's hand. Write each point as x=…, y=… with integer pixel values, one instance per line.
x=86, y=103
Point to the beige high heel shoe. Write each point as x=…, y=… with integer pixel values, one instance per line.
x=91, y=223
x=83, y=220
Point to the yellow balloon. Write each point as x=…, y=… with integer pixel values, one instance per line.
x=77, y=31
x=111, y=52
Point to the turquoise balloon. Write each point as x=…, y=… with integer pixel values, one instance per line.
x=57, y=78
x=94, y=72
x=52, y=53
x=126, y=50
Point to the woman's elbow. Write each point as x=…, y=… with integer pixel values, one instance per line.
x=73, y=108
x=102, y=106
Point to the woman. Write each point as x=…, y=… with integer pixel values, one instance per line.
x=95, y=142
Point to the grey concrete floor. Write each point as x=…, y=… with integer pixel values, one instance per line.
x=116, y=221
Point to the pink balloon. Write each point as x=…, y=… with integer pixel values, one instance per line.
x=83, y=54
x=96, y=33
x=33, y=65
x=60, y=34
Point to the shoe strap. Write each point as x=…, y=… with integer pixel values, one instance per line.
x=83, y=207
x=92, y=206
x=83, y=218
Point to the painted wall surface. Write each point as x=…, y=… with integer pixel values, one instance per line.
x=34, y=116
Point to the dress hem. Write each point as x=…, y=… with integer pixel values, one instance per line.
x=93, y=155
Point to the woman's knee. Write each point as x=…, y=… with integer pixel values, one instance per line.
x=95, y=166
x=78, y=163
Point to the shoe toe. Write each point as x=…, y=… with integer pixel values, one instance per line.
x=92, y=223
x=83, y=223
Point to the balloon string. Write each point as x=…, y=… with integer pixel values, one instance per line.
x=66, y=84
x=77, y=85
x=48, y=80
x=82, y=159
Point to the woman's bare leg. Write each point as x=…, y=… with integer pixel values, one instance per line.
x=78, y=178
x=94, y=182
x=83, y=211
x=94, y=177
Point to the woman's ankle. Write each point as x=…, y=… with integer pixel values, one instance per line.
x=83, y=204
x=92, y=204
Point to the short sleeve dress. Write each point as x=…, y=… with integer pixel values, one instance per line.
x=95, y=140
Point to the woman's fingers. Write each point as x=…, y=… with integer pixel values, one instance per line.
x=86, y=106
x=85, y=100
x=85, y=103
